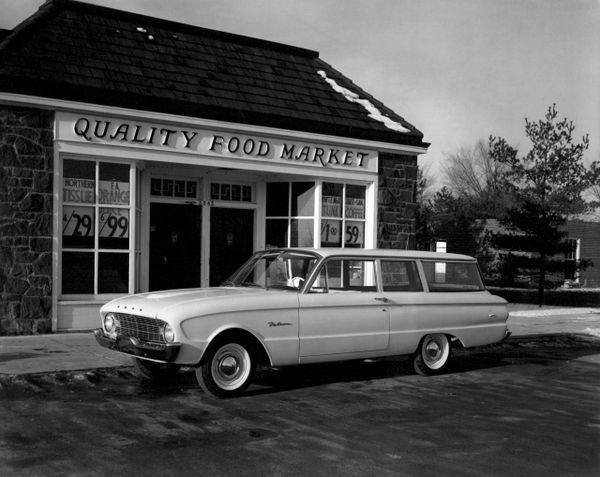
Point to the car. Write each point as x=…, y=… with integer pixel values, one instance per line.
x=292, y=306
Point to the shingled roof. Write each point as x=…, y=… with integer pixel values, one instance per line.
x=80, y=52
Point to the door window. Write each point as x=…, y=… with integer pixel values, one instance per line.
x=345, y=275
x=175, y=231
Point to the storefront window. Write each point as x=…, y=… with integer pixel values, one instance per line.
x=290, y=214
x=343, y=215
x=96, y=210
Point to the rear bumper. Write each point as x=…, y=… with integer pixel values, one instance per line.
x=165, y=352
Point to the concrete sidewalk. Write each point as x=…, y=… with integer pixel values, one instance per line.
x=20, y=355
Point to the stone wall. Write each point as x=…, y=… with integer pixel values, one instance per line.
x=396, y=201
x=25, y=220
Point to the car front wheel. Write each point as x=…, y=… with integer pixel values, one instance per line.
x=433, y=354
x=227, y=370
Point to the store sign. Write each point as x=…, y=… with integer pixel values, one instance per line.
x=119, y=132
x=355, y=208
x=331, y=206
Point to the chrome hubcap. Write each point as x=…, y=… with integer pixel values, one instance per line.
x=231, y=366
x=433, y=350
x=228, y=366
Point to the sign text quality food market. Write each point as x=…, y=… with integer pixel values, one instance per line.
x=120, y=132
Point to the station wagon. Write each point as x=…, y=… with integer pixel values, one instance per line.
x=288, y=307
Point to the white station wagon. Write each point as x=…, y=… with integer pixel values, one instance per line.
x=286, y=307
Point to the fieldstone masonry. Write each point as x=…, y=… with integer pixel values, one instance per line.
x=396, y=201
x=25, y=221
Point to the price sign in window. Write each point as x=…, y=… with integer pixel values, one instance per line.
x=355, y=234
x=78, y=226
x=331, y=233
x=113, y=228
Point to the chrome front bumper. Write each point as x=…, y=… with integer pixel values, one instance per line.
x=166, y=352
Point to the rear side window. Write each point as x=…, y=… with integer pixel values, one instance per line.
x=399, y=275
x=453, y=276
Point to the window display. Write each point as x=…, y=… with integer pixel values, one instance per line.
x=96, y=217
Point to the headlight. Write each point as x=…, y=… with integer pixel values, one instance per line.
x=169, y=333
x=110, y=323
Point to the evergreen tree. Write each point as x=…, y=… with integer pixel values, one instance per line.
x=548, y=183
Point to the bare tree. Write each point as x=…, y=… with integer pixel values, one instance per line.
x=474, y=173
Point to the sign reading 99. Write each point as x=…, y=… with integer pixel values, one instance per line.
x=114, y=223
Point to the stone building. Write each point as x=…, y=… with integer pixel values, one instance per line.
x=138, y=154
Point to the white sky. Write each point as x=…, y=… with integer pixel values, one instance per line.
x=459, y=70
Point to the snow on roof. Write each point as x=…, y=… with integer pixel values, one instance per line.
x=365, y=103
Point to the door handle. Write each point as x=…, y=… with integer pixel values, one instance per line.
x=382, y=299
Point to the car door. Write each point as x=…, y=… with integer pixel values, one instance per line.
x=403, y=289
x=342, y=314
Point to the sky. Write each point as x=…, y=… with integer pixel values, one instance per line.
x=458, y=70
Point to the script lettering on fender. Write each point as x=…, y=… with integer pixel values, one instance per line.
x=232, y=146
x=278, y=323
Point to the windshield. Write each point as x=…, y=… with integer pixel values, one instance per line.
x=274, y=269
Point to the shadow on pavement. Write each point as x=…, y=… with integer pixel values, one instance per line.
x=522, y=350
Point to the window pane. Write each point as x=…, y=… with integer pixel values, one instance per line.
x=358, y=275
x=355, y=202
x=77, y=272
x=400, y=276
x=331, y=233
x=302, y=233
x=114, y=228
x=114, y=184
x=453, y=276
x=78, y=226
x=277, y=199
x=276, y=233
x=331, y=200
x=113, y=272
x=354, y=234
x=180, y=189
x=79, y=181
x=155, y=187
x=303, y=199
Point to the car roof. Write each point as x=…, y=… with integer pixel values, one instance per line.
x=378, y=253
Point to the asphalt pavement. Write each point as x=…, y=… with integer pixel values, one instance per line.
x=78, y=351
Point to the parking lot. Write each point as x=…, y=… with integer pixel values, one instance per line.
x=526, y=407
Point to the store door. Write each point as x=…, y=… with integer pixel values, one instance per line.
x=231, y=241
x=175, y=233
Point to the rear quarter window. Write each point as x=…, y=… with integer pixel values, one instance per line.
x=453, y=276
x=399, y=275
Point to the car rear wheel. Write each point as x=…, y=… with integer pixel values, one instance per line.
x=154, y=370
x=227, y=369
x=433, y=354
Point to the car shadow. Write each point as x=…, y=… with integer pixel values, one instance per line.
x=533, y=349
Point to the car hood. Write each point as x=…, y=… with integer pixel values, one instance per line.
x=153, y=303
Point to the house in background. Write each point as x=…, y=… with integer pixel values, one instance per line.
x=584, y=237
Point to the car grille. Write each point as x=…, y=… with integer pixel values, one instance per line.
x=141, y=327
